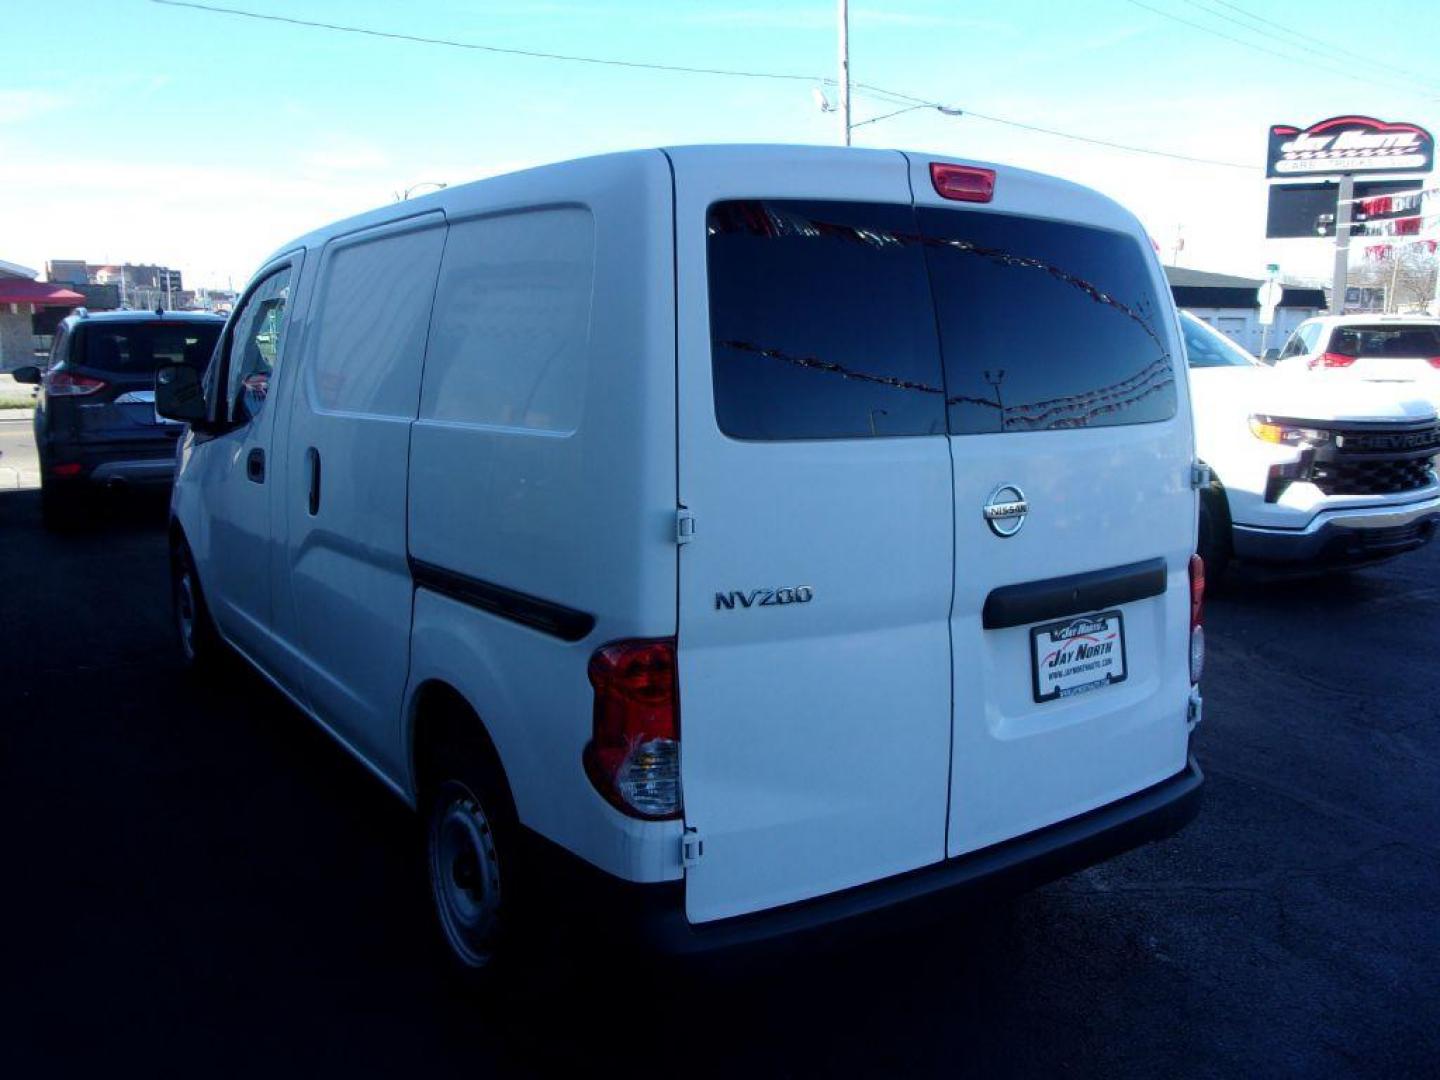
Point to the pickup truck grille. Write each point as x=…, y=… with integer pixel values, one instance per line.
x=1392, y=477
x=1376, y=459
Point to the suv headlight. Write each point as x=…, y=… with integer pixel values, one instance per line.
x=1286, y=432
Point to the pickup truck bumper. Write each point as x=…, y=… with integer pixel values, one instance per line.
x=652, y=916
x=1342, y=537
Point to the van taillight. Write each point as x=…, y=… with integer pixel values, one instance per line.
x=633, y=758
x=1332, y=359
x=1197, y=618
x=967, y=183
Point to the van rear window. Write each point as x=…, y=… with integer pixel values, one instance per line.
x=820, y=322
x=1045, y=324
x=824, y=316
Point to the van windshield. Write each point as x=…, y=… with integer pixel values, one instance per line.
x=851, y=320
x=139, y=348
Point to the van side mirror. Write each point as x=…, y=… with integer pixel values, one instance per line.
x=29, y=375
x=1270, y=356
x=179, y=395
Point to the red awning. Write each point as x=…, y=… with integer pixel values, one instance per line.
x=15, y=290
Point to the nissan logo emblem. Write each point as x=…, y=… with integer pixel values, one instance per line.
x=1005, y=510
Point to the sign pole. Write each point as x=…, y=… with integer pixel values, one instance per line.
x=1343, y=214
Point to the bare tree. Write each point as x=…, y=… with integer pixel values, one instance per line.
x=1407, y=276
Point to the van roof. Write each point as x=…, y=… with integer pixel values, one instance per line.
x=1017, y=190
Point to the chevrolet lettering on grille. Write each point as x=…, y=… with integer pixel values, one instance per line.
x=1406, y=440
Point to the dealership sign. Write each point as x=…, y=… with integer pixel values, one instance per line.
x=1349, y=144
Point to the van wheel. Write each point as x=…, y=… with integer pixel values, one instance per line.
x=470, y=860
x=1213, y=543
x=200, y=644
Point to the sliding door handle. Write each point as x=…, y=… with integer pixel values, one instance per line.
x=312, y=457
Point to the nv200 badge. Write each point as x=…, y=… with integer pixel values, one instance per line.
x=800, y=594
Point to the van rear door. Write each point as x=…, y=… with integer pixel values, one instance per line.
x=814, y=652
x=1074, y=514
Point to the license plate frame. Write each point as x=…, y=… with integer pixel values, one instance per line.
x=1091, y=630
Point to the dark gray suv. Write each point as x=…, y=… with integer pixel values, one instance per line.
x=95, y=421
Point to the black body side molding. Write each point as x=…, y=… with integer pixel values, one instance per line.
x=559, y=621
x=1054, y=598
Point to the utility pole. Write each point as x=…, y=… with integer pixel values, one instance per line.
x=845, y=68
x=1343, y=217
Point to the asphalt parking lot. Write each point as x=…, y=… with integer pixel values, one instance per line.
x=198, y=882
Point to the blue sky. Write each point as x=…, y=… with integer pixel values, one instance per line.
x=139, y=132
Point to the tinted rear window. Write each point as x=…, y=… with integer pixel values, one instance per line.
x=1380, y=341
x=823, y=324
x=820, y=322
x=139, y=348
x=1045, y=324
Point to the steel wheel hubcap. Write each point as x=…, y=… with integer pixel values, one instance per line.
x=465, y=874
x=185, y=612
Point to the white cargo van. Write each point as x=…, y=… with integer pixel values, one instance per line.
x=763, y=535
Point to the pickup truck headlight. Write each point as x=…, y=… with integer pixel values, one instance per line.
x=1285, y=433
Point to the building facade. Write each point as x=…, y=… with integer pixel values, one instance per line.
x=21, y=299
x=1231, y=305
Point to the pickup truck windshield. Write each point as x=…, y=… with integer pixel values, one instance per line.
x=1206, y=347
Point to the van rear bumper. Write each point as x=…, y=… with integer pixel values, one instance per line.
x=652, y=916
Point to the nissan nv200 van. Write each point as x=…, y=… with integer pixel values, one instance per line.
x=761, y=536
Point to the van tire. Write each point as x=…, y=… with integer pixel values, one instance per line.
x=201, y=648
x=470, y=854
x=1214, y=541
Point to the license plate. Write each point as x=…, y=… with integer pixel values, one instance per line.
x=1077, y=655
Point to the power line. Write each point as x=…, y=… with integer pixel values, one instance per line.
x=1262, y=48
x=891, y=96
x=1111, y=145
x=533, y=54
x=1341, y=51
x=1329, y=53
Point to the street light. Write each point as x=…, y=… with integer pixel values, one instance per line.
x=401, y=196
x=822, y=102
x=944, y=110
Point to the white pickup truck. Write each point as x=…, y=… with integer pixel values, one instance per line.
x=1306, y=474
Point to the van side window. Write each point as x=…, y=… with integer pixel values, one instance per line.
x=821, y=325
x=371, y=319
x=1045, y=324
x=510, y=337
x=254, y=345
